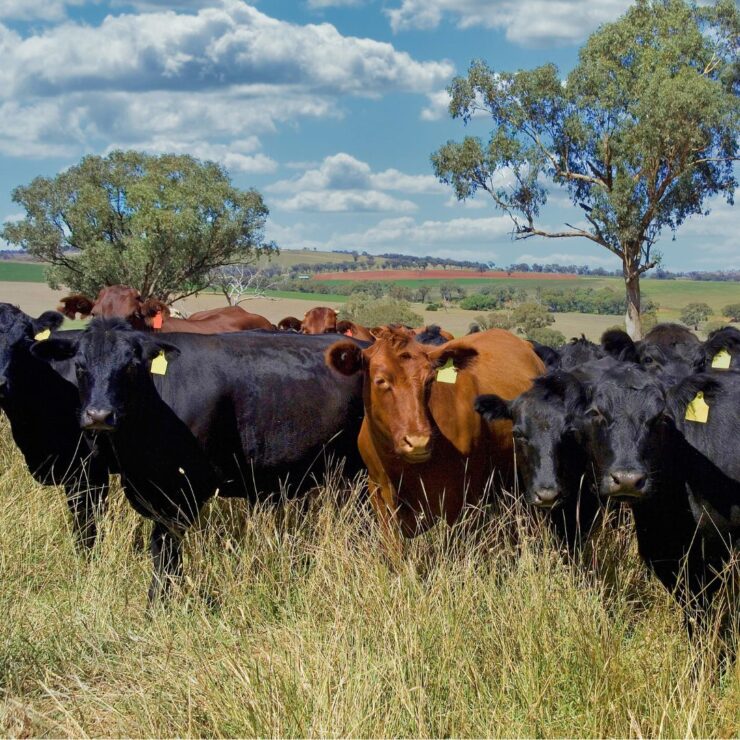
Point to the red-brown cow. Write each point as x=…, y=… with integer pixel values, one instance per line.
x=125, y=302
x=350, y=329
x=319, y=320
x=427, y=451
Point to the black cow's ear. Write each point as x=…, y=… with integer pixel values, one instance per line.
x=618, y=344
x=48, y=320
x=55, y=348
x=344, y=357
x=492, y=407
x=548, y=355
x=461, y=356
x=150, y=348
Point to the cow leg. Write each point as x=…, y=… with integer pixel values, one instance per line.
x=87, y=501
x=166, y=549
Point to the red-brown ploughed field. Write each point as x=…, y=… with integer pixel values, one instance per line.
x=439, y=275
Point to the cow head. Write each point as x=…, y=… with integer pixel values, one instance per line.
x=75, y=304
x=320, y=320
x=289, y=323
x=398, y=376
x=17, y=332
x=666, y=359
x=624, y=425
x=548, y=452
x=112, y=363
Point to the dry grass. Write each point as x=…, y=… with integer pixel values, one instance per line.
x=292, y=623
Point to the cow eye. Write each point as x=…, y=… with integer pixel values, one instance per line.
x=649, y=360
x=381, y=382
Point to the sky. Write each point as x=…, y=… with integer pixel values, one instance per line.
x=330, y=108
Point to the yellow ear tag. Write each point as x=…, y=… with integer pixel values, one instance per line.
x=698, y=410
x=159, y=364
x=722, y=360
x=46, y=333
x=447, y=373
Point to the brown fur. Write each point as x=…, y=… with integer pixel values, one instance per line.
x=75, y=304
x=289, y=323
x=404, y=401
x=319, y=320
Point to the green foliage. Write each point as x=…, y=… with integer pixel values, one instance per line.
x=547, y=336
x=492, y=297
x=529, y=316
x=496, y=320
x=732, y=311
x=379, y=311
x=643, y=131
x=433, y=307
x=587, y=300
x=694, y=313
x=711, y=326
x=479, y=302
x=158, y=223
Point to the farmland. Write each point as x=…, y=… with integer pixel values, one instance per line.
x=292, y=623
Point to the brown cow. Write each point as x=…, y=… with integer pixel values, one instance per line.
x=125, y=302
x=75, y=304
x=319, y=320
x=350, y=329
x=289, y=323
x=427, y=451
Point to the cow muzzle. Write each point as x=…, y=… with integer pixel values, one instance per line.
x=626, y=484
x=545, y=498
x=98, y=419
x=416, y=448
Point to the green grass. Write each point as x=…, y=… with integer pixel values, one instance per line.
x=291, y=623
x=21, y=272
x=325, y=297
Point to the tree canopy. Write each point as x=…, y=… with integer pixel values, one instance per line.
x=640, y=133
x=158, y=223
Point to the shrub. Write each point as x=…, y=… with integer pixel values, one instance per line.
x=379, y=311
x=531, y=316
x=497, y=320
x=732, y=311
x=546, y=335
x=694, y=313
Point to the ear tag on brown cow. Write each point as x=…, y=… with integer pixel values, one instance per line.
x=159, y=364
x=447, y=373
x=43, y=335
x=157, y=322
x=698, y=410
x=348, y=333
x=722, y=360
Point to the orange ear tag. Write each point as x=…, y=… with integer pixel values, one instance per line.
x=157, y=320
x=348, y=333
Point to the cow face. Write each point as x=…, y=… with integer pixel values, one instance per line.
x=548, y=453
x=17, y=332
x=112, y=363
x=398, y=377
x=319, y=320
x=624, y=429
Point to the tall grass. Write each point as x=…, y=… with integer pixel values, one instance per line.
x=291, y=622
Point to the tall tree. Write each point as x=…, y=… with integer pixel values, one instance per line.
x=641, y=132
x=158, y=223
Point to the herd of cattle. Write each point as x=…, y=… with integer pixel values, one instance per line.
x=227, y=404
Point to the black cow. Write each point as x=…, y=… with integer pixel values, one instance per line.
x=42, y=405
x=721, y=351
x=431, y=335
x=551, y=461
x=639, y=456
x=240, y=414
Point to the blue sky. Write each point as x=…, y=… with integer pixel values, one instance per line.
x=330, y=108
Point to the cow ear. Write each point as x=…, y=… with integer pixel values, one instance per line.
x=151, y=348
x=56, y=348
x=548, y=355
x=48, y=320
x=492, y=407
x=344, y=357
x=461, y=356
x=619, y=345
x=686, y=391
x=76, y=304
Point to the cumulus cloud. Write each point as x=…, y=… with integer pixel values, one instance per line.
x=343, y=183
x=321, y=4
x=198, y=81
x=527, y=22
x=572, y=258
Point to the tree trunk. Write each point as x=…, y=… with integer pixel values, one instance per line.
x=632, y=318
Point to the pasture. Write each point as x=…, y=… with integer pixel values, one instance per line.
x=292, y=623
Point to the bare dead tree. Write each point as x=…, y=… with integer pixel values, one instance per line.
x=242, y=282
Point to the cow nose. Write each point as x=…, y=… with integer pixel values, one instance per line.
x=95, y=418
x=631, y=482
x=416, y=446
x=546, y=497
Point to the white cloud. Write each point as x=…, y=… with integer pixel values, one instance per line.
x=465, y=235
x=438, y=107
x=27, y=10
x=202, y=80
x=527, y=22
x=321, y=4
x=472, y=204
x=572, y=258
x=343, y=183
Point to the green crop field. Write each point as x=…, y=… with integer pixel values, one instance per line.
x=21, y=272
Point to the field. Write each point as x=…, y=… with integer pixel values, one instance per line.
x=291, y=622
x=21, y=272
